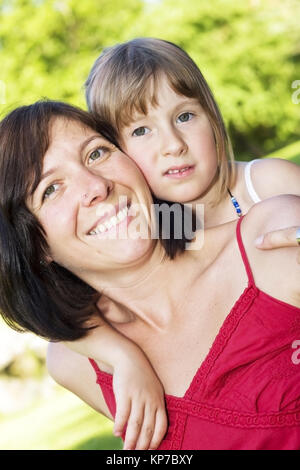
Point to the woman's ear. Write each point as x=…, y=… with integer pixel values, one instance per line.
x=46, y=261
x=49, y=259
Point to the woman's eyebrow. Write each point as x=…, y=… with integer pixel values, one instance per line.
x=81, y=148
x=47, y=173
x=87, y=141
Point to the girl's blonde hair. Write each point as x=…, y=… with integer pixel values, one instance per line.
x=125, y=78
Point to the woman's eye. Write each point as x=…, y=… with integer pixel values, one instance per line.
x=140, y=131
x=99, y=153
x=50, y=190
x=185, y=117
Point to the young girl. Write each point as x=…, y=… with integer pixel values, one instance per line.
x=167, y=121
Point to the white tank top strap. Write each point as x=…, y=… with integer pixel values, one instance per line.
x=253, y=194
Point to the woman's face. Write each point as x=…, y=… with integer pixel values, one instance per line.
x=92, y=201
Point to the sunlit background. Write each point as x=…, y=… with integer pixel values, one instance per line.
x=249, y=52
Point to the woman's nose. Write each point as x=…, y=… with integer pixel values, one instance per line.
x=95, y=189
x=172, y=143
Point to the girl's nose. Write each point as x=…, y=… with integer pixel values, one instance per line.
x=172, y=143
x=95, y=189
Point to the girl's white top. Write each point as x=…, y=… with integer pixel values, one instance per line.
x=253, y=194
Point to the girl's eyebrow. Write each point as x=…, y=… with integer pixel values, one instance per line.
x=140, y=116
x=187, y=101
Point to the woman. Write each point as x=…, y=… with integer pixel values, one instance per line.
x=219, y=337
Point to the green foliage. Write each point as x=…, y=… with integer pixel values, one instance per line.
x=249, y=52
x=290, y=152
x=27, y=364
x=61, y=422
x=48, y=46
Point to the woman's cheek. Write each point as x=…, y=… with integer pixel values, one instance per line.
x=131, y=171
x=58, y=218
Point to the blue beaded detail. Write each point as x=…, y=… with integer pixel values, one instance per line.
x=235, y=204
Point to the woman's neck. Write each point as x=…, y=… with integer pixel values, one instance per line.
x=159, y=297
x=148, y=295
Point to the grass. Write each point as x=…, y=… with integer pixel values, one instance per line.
x=64, y=422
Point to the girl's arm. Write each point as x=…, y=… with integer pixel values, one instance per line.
x=275, y=177
x=280, y=239
x=275, y=272
x=73, y=372
x=138, y=391
x=272, y=177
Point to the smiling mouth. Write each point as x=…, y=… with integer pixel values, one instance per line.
x=179, y=170
x=112, y=221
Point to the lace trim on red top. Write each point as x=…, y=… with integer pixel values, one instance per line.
x=183, y=406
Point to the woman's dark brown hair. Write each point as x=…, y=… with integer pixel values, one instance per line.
x=37, y=296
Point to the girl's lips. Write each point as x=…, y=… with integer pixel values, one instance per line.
x=181, y=172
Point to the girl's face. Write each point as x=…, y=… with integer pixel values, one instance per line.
x=173, y=145
x=87, y=201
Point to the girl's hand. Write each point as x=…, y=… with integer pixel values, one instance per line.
x=279, y=239
x=140, y=404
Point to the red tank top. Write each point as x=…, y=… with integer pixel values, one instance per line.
x=246, y=393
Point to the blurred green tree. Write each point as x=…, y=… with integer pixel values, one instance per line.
x=249, y=52
x=48, y=46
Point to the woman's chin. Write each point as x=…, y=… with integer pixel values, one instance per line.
x=131, y=251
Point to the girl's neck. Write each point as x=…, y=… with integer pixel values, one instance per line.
x=224, y=211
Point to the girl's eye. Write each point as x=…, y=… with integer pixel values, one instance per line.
x=50, y=190
x=99, y=153
x=185, y=117
x=140, y=131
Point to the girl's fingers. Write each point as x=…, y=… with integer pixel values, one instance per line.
x=134, y=425
x=122, y=415
x=161, y=426
x=147, y=429
x=278, y=239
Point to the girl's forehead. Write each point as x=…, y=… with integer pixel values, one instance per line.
x=161, y=94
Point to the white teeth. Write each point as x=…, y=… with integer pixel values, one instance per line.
x=170, y=172
x=122, y=214
x=112, y=222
